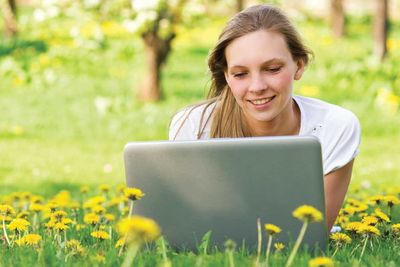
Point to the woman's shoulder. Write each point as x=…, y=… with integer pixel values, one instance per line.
x=337, y=128
x=186, y=123
x=329, y=115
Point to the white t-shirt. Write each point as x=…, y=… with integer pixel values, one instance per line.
x=337, y=129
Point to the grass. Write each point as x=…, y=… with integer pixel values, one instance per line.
x=53, y=137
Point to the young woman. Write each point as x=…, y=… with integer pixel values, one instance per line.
x=254, y=64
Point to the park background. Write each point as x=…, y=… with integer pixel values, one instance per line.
x=74, y=74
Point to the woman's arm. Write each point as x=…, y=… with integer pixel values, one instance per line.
x=335, y=185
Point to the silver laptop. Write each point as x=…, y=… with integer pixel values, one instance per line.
x=225, y=185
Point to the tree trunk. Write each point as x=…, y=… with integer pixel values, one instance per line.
x=156, y=51
x=239, y=5
x=338, y=19
x=9, y=11
x=381, y=29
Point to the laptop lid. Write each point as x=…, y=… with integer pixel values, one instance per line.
x=225, y=185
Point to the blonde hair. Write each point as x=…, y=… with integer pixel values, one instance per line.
x=227, y=117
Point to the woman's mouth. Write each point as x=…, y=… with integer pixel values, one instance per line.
x=262, y=101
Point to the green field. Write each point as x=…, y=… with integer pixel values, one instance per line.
x=68, y=107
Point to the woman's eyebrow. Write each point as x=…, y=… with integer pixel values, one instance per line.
x=268, y=62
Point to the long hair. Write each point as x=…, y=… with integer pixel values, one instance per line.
x=227, y=117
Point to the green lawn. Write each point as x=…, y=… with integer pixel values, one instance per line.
x=66, y=112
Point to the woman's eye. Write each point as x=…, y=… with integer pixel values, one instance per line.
x=238, y=75
x=274, y=69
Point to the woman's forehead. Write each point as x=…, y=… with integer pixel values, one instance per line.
x=257, y=47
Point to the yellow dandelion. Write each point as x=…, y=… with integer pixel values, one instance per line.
x=36, y=199
x=36, y=207
x=361, y=207
x=98, y=209
x=20, y=242
x=272, y=229
x=381, y=216
x=19, y=225
x=104, y=188
x=121, y=188
x=391, y=200
x=23, y=215
x=52, y=206
x=396, y=228
x=66, y=221
x=97, y=200
x=84, y=189
x=32, y=239
x=74, y=205
x=59, y=214
x=109, y=217
x=353, y=201
x=50, y=224
x=307, y=213
x=369, y=220
x=100, y=258
x=368, y=230
x=320, y=261
x=72, y=244
x=133, y=193
x=138, y=228
x=102, y=235
x=6, y=210
x=348, y=211
x=6, y=218
x=279, y=246
x=353, y=226
x=342, y=220
x=340, y=238
x=376, y=199
x=79, y=227
x=120, y=242
x=91, y=218
x=60, y=226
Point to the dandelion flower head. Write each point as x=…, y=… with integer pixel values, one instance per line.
x=307, y=213
x=272, y=229
x=19, y=225
x=138, y=228
x=340, y=238
x=320, y=261
x=133, y=193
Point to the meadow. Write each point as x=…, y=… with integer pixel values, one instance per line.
x=68, y=107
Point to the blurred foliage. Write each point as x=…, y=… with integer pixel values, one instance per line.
x=68, y=108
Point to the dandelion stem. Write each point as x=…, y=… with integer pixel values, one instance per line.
x=164, y=249
x=363, y=249
x=130, y=208
x=268, y=250
x=230, y=256
x=297, y=244
x=129, y=215
x=5, y=232
x=336, y=250
x=131, y=254
x=34, y=221
x=259, y=242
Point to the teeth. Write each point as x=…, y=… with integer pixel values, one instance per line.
x=261, y=101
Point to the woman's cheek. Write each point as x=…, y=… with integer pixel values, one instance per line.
x=283, y=80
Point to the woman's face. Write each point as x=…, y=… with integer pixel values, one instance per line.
x=260, y=73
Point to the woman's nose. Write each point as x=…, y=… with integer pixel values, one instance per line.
x=257, y=83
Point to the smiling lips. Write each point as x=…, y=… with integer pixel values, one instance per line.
x=262, y=101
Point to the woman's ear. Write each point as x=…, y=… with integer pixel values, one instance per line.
x=300, y=69
x=226, y=77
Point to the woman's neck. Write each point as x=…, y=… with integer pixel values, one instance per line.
x=286, y=123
